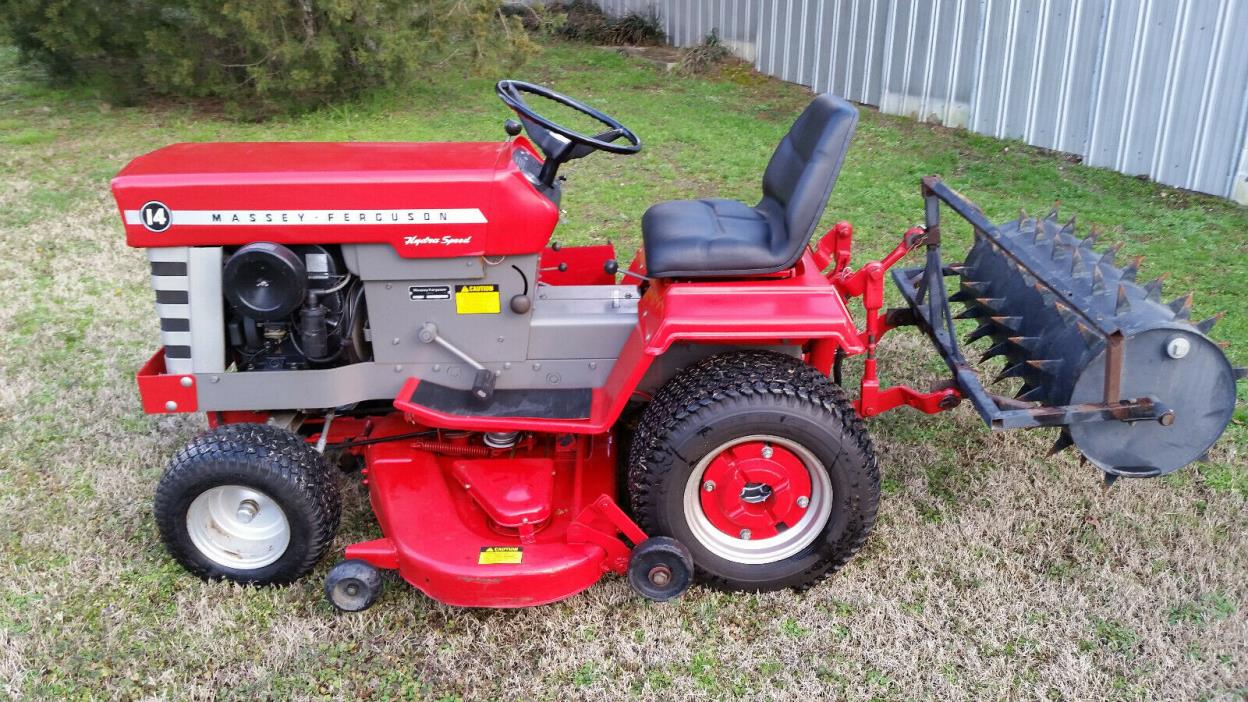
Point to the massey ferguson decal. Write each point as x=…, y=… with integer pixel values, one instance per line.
x=156, y=217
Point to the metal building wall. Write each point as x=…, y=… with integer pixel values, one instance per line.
x=1152, y=87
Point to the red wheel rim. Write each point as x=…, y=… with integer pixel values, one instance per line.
x=755, y=490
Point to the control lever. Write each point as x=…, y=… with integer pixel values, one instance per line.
x=483, y=382
x=612, y=267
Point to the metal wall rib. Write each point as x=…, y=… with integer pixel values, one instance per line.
x=1145, y=87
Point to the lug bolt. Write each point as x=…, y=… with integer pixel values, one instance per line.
x=745, y=534
x=247, y=510
x=767, y=451
x=803, y=502
x=1167, y=418
x=709, y=486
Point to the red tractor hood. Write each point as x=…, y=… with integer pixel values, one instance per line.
x=429, y=200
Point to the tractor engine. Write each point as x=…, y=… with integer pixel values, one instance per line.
x=292, y=308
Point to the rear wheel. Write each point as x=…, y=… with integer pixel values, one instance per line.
x=760, y=466
x=250, y=503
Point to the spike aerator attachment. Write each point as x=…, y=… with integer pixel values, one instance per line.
x=1072, y=304
x=1133, y=383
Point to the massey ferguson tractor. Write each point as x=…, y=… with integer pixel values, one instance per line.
x=528, y=416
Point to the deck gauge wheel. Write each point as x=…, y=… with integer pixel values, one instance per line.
x=660, y=569
x=353, y=585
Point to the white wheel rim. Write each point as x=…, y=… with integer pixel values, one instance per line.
x=774, y=548
x=238, y=527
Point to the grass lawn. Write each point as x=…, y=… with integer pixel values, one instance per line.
x=993, y=572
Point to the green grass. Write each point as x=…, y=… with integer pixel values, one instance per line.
x=993, y=571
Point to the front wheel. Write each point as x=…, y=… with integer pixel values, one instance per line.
x=250, y=503
x=760, y=466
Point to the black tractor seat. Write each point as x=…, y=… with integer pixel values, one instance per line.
x=716, y=238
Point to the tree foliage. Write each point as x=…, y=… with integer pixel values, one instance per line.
x=259, y=56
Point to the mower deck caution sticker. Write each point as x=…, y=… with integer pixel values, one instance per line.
x=506, y=555
x=477, y=299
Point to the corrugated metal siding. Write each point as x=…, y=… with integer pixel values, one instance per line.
x=1152, y=87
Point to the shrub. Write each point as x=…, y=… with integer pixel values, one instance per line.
x=703, y=57
x=585, y=21
x=258, y=56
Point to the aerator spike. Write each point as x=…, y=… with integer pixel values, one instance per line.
x=1027, y=343
x=997, y=349
x=1239, y=373
x=1045, y=293
x=1182, y=307
x=991, y=303
x=1132, y=268
x=1015, y=371
x=1067, y=313
x=1048, y=366
x=1064, y=441
x=1153, y=288
x=1123, y=305
x=1098, y=281
x=969, y=290
x=1052, y=215
x=1011, y=323
x=1027, y=394
x=1111, y=253
x=1076, y=260
x=1110, y=479
x=1040, y=235
x=972, y=313
x=980, y=332
x=1069, y=226
x=1093, y=234
x=1089, y=334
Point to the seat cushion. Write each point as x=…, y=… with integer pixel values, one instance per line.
x=707, y=237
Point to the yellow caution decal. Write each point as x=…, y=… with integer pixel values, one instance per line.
x=507, y=555
x=477, y=299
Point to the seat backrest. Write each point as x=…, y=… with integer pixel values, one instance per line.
x=799, y=178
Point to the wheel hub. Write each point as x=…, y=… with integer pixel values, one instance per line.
x=238, y=527
x=759, y=490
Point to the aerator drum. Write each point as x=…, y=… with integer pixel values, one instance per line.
x=1054, y=307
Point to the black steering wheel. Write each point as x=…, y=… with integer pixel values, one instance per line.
x=559, y=143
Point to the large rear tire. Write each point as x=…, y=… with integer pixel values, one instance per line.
x=250, y=503
x=759, y=465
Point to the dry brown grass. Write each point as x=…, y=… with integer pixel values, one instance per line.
x=992, y=573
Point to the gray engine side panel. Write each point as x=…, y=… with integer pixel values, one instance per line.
x=396, y=319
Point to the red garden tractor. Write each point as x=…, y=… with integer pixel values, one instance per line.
x=528, y=417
